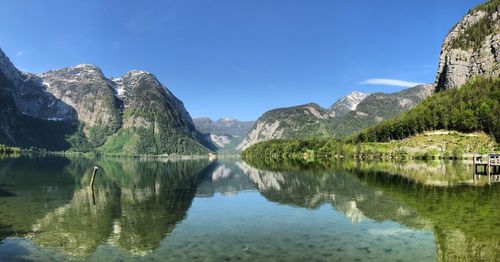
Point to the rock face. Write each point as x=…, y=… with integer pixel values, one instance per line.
x=88, y=91
x=26, y=111
x=346, y=116
x=348, y=103
x=30, y=96
x=471, y=47
x=226, y=133
x=290, y=122
x=133, y=114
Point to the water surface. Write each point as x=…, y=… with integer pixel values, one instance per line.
x=229, y=210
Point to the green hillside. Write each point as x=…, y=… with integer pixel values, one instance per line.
x=311, y=120
x=146, y=119
x=377, y=107
x=431, y=145
x=473, y=107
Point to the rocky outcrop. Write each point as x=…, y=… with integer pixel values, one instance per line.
x=471, y=47
x=261, y=132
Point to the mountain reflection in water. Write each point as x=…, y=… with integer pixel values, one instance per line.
x=141, y=206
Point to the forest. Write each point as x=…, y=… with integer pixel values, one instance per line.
x=468, y=120
x=473, y=107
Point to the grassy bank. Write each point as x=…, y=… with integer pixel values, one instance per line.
x=429, y=145
x=9, y=150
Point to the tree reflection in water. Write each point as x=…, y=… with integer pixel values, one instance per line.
x=138, y=203
x=464, y=218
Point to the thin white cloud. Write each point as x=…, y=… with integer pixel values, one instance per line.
x=389, y=82
x=21, y=52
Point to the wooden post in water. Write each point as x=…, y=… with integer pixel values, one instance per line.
x=93, y=177
x=488, y=171
x=474, y=172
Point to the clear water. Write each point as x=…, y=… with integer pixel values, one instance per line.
x=229, y=210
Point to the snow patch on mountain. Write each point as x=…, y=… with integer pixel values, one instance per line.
x=348, y=103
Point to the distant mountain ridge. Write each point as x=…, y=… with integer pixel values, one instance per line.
x=133, y=114
x=226, y=133
x=349, y=114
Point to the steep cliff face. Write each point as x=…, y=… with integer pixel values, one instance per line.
x=20, y=129
x=471, y=48
x=87, y=90
x=78, y=108
x=27, y=111
x=30, y=96
x=349, y=114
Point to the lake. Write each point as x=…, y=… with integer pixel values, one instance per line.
x=230, y=210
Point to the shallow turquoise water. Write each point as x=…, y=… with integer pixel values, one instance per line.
x=230, y=211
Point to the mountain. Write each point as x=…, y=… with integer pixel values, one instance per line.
x=296, y=121
x=79, y=108
x=85, y=89
x=349, y=114
x=475, y=106
x=25, y=110
x=378, y=107
x=347, y=103
x=226, y=133
x=468, y=83
x=471, y=47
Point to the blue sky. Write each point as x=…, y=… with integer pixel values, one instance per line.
x=238, y=58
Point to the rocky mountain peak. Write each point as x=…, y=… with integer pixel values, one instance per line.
x=75, y=74
x=30, y=96
x=87, y=67
x=136, y=78
x=8, y=69
x=137, y=73
x=226, y=120
x=347, y=103
x=86, y=89
x=140, y=79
